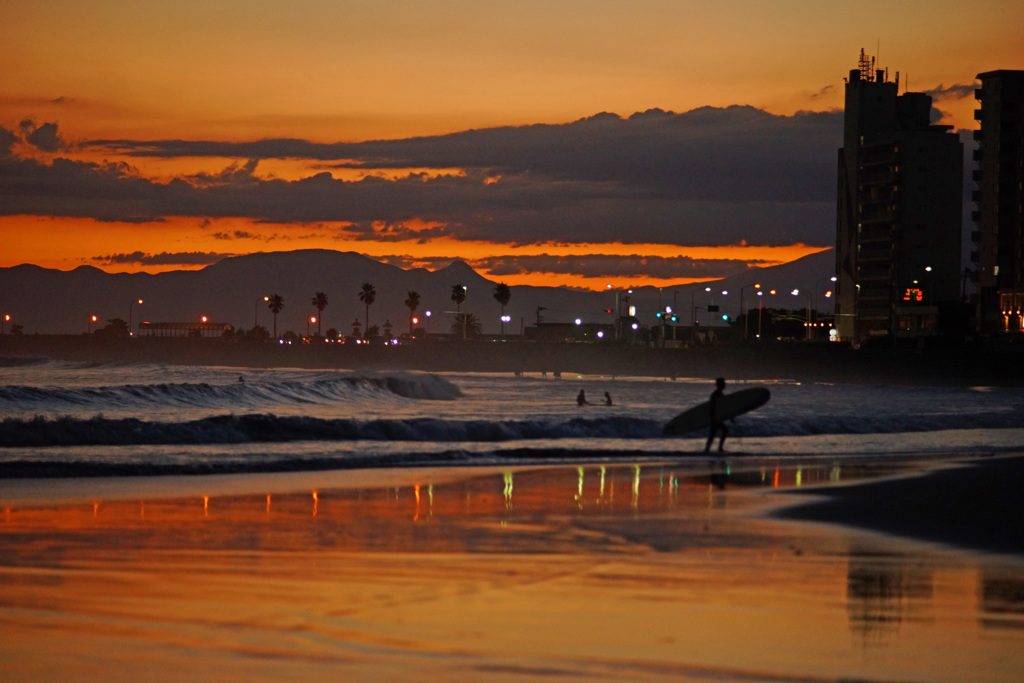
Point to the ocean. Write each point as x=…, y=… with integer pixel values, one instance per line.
x=77, y=419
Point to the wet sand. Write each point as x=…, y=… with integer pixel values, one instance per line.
x=677, y=571
x=977, y=504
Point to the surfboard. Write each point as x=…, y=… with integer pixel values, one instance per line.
x=730, y=405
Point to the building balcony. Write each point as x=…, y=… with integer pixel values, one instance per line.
x=976, y=196
x=976, y=155
x=979, y=94
x=975, y=236
x=977, y=115
x=976, y=175
x=974, y=259
x=978, y=135
x=976, y=216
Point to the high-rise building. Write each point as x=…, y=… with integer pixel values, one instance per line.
x=998, y=256
x=899, y=224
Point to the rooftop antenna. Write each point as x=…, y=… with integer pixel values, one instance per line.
x=864, y=65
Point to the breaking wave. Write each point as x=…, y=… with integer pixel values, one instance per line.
x=214, y=396
x=262, y=428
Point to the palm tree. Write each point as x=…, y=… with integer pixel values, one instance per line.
x=367, y=296
x=319, y=303
x=467, y=324
x=503, y=294
x=458, y=296
x=412, y=303
x=275, y=304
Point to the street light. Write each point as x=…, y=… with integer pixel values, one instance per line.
x=255, y=311
x=92, y=319
x=3, y=321
x=311, y=321
x=132, y=304
x=807, y=316
x=745, y=326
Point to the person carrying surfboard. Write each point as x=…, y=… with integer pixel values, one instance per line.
x=717, y=424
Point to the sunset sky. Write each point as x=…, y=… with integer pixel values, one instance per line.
x=582, y=143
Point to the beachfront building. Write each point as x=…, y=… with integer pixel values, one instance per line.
x=207, y=329
x=899, y=209
x=998, y=235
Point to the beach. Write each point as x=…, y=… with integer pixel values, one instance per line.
x=643, y=571
x=167, y=521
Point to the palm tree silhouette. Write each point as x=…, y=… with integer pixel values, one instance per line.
x=503, y=294
x=412, y=303
x=467, y=324
x=275, y=304
x=319, y=303
x=458, y=296
x=367, y=296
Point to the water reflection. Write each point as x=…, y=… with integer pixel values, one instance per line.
x=546, y=566
x=1002, y=599
x=882, y=592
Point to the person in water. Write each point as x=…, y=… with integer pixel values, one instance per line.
x=607, y=399
x=717, y=424
x=581, y=399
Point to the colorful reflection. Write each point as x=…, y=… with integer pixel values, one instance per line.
x=541, y=569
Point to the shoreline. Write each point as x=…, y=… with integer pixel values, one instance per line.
x=992, y=364
x=968, y=503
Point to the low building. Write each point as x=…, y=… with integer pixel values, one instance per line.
x=208, y=330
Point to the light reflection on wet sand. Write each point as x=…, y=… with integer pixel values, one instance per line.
x=625, y=572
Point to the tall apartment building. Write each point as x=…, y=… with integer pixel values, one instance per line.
x=899, y=225
x=998, y=257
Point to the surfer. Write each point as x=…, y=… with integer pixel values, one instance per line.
x=581, y=399
x=717, y=425
x=607, y=399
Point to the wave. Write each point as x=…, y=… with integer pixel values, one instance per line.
x=204, y=395
x=263, y=428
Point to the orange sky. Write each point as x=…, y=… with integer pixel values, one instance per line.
x=346, y=72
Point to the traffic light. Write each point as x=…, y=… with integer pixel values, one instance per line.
x=674, y=318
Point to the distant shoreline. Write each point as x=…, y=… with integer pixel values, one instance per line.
x=997, y=364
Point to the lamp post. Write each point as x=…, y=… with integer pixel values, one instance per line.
x=807, y=316
x=92, y=319
x=4, y=321
x=130, y=306
x=745, y=326
x=310, y=321
x=427, y=314
x=255, y=311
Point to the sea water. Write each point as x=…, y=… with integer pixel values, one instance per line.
x=629, y=563
x=89, y=419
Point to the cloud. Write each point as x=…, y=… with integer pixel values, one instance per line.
x=824, y=92
x=188, y=258
x=236, y=235
x=953, y=92
x=610, y=265
x=44, y=137
x=591, y=266
x=235, y=174
x=705, y=177
x=7, y=141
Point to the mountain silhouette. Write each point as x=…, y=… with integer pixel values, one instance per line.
x=49, y=301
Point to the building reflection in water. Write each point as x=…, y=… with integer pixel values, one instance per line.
x=882, y=592
x=1001, y=596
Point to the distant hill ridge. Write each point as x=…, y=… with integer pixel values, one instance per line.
x=49, y=301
